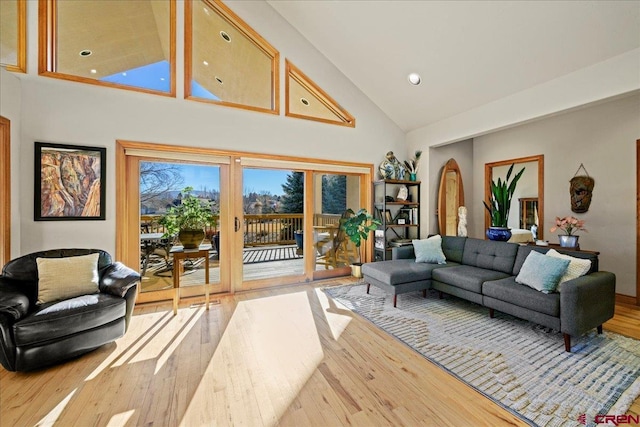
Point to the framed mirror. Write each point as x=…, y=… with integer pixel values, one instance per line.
x=530, y=186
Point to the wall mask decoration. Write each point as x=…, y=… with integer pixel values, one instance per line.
x=581, y=191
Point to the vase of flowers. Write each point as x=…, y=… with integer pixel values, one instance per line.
x=570, y=225
x=412, y=166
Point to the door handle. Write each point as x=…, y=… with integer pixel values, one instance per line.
x=237, y=224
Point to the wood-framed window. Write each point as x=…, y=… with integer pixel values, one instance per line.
x=226, y=61
x=13, y=35
x=306, y=100
x=123, y=44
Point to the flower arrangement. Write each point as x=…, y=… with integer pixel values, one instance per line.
x=412, y=165
x=569, y=224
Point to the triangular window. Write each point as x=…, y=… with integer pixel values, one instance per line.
x=305, y=100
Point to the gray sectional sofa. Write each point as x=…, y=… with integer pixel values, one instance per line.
x=484, y=272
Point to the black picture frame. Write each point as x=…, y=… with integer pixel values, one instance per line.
x=69, y=182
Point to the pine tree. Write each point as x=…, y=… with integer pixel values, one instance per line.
x=334, y=194
x=293, y=198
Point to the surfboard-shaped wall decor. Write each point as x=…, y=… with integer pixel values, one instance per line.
x=450, y=198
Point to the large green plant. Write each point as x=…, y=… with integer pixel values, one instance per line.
x=192, y=214
x=358, y=225
x=500, y=201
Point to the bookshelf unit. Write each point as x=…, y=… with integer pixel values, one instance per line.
x=400, y=218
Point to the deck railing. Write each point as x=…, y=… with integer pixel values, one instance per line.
x=259, y=230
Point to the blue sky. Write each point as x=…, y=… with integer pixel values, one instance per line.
x=256, y=180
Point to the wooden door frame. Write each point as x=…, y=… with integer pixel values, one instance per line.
x=128, y=203
x=5, y=190
x=638, y=222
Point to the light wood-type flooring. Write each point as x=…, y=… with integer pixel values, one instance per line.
x=287, y=357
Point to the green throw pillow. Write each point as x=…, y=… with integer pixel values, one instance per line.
x=429, y=250
x=542, y=272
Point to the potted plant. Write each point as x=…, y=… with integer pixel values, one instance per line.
x=188, y=219
x=500, y=205
x=570, y=225
x=357, y=227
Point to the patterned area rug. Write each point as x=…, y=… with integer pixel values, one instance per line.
x=519, y=365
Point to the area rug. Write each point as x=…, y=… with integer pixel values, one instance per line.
x=519, y=365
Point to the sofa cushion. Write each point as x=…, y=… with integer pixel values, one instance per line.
x=399, y=271
x=523, y=296
x=429, y=250
x=542, y=272
x=61, y=278
x=55, y=320
x=498, y=256
x=453, y=247
x=466, y=276
x=577, y=266
x=523, y=252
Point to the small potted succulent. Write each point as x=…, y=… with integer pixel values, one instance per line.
x=357, y=228
x=188, y=219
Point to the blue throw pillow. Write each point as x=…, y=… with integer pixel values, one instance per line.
x=542, y=272
x=429, y=250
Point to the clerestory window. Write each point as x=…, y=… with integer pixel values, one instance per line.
x=126, y=44
x=227, y=62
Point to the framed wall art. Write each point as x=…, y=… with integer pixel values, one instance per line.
x=69, y=182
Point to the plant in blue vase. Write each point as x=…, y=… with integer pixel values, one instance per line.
x=500, y=204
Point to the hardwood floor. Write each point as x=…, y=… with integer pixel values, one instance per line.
x=287, y=357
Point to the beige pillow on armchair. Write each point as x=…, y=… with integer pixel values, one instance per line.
x=63, y=278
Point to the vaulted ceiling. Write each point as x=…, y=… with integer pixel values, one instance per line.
x=468, y=53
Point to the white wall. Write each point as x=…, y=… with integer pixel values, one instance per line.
x=603, y=138
x=67, y=112
x=10, y=104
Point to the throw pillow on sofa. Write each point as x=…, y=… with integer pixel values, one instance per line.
x=429, y=250
x=577, y=266
x=542, y=272
x=63, y=278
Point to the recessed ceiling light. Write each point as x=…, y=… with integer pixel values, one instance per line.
x=218, y=79
x=304, y=101
x=85, y=52
x=414, y=79
x=205, y=62
x=94, y=71
x=225, y=36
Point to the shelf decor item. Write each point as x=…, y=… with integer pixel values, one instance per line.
x=500, y=204
x=570, y=225
x=391, y=168
x=412, y=166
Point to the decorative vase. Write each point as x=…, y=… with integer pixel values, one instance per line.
x=356, y=270
x=500, y=234
x=413, y=176
x=191, y=239
x=568, y=241
x=391, y=168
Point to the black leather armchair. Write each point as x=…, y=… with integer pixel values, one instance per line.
x=33, y=336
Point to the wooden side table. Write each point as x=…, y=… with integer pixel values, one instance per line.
x=179, y=253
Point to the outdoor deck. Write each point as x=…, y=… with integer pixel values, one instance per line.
x=259, y=263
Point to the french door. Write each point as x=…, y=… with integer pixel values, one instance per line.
x=276, y=218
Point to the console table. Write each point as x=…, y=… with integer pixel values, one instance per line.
x=557, y=246
x=179, y=252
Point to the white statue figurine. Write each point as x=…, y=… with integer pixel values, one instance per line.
x=462, y=221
